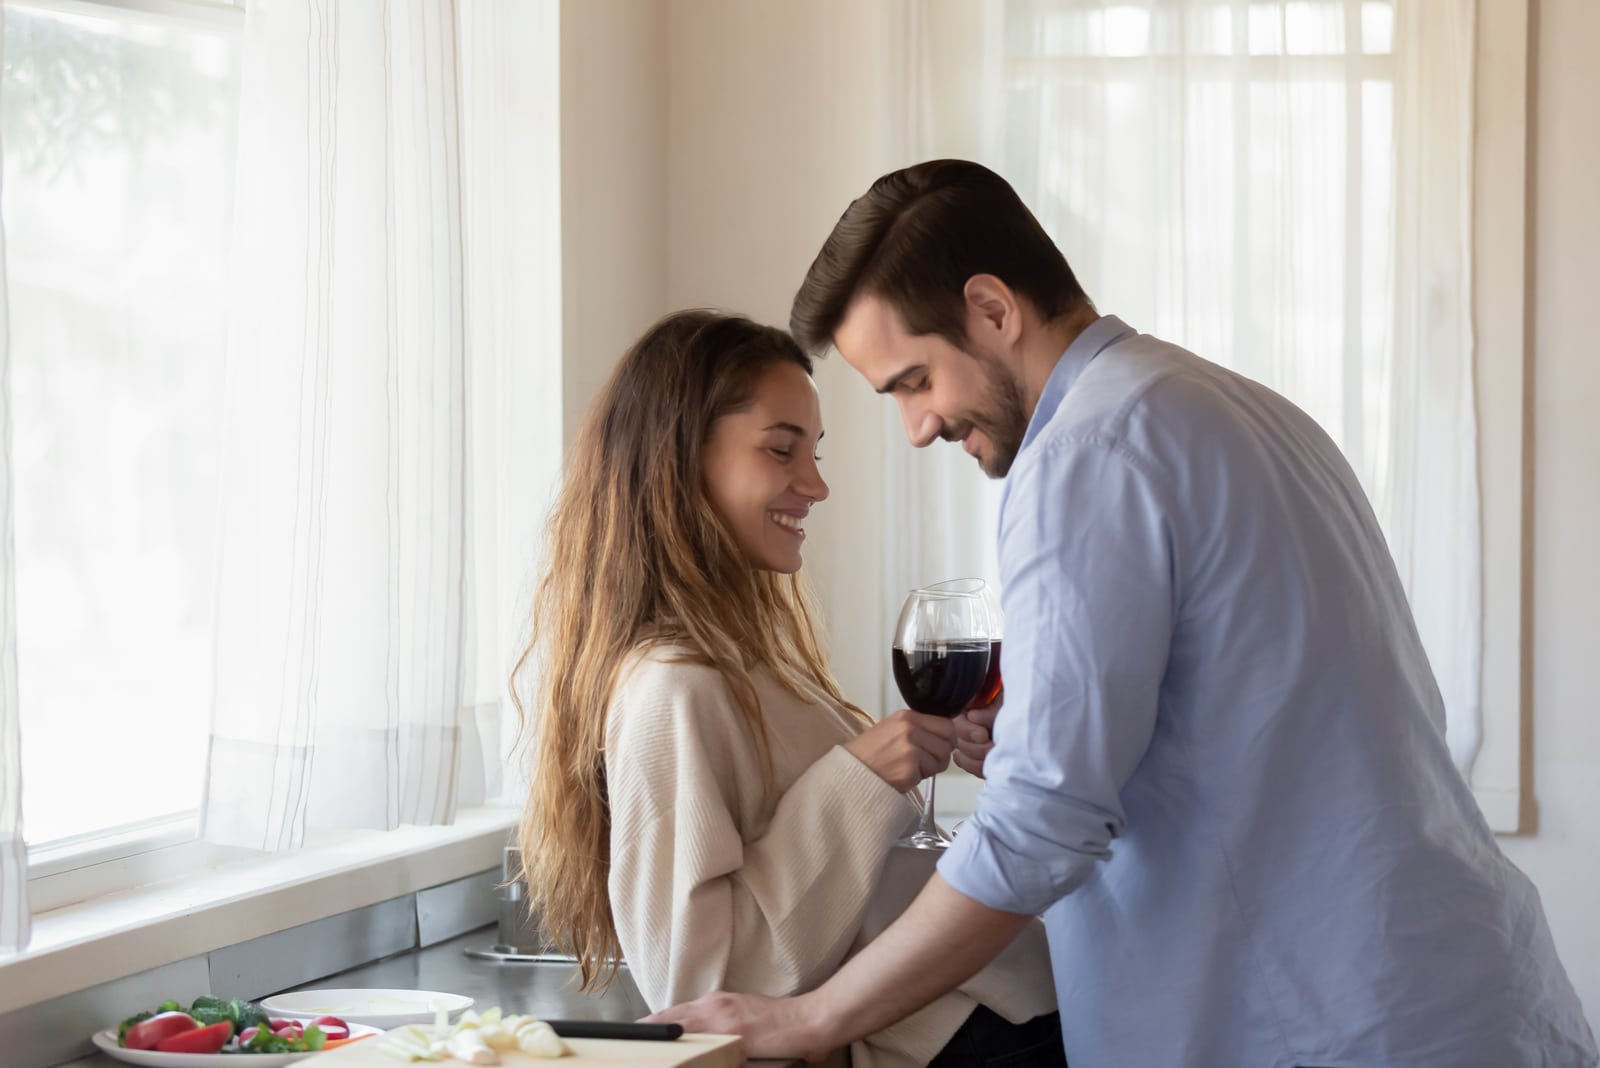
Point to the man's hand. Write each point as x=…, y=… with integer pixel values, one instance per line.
x=975, y=736
x=900, y=971
x=905, y=747
x=772, y=1027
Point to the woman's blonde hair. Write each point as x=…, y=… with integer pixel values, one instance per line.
x=635, y=555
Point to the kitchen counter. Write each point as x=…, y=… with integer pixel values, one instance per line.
x=547, y=990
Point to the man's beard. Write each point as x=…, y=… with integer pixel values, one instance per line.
x=1002, y=419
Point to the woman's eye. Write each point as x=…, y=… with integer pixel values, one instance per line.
x=782, y=454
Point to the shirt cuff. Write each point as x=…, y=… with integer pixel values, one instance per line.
x=1010, y=857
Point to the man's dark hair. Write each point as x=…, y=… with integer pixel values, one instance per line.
x=915, y=238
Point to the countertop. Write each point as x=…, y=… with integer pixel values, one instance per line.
x=545, y=989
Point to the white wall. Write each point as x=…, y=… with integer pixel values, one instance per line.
x=777, y=120
x=613, y=186
x=1563, y=857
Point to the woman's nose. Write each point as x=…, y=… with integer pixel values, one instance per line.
x=812, y=484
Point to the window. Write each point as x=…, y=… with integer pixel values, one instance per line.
x=1241, y=199
x=118, y=133
x=247, y=397
x=1287, y=187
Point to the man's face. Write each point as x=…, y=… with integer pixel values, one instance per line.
x=945, y=392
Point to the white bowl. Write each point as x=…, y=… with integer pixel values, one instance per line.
x=374, y=1008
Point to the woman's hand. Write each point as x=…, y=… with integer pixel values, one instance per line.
x=975, y=737
x=905, y=747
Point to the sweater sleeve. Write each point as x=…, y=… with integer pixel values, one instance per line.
x=697, y=907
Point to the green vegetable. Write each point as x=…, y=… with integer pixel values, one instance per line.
x=247, y=1014
x=170, y=1006
x=122, y=1028
x=264, y=1041
x=208, y=1010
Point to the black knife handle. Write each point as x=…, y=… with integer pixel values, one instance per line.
x=606, y=1029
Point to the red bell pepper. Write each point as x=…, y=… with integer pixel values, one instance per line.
x=147, y=1034
x=199, y=1040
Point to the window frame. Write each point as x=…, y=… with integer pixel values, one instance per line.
x=1502, y=328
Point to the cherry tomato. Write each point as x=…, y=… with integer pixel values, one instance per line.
x=198, y=1040
x=332, y=1026
x=147, y=1033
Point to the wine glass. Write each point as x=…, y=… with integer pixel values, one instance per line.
x=941, y=659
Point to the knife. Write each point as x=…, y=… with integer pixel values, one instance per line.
x=606, y=1029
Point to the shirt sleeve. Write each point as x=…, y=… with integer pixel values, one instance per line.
x=698, y=908
x=1087, y=565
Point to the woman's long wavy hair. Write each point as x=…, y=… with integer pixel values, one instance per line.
x=636, y=554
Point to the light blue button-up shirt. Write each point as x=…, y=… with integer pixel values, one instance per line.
x=1220, y=772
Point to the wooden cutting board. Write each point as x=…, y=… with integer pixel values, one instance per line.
x=700, y=1051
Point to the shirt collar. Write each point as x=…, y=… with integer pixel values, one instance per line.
x=1093, y=340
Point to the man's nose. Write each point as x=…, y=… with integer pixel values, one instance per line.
x=922, y=427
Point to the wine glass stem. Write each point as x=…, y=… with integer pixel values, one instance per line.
x=928, y=827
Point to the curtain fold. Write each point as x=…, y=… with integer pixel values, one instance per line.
x=1283, y=187
x=358, y=627
x=15, y=919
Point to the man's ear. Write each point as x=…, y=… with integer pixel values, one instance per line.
x=994, y=313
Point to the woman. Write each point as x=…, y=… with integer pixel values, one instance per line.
x=704, y=801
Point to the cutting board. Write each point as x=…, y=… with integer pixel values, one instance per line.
x=700, y=1051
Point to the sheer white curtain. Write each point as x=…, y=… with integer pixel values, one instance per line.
x=15, y=920
x=1282, y=186
x=372, y=549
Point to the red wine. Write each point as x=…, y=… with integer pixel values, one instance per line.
x=992, y=683
x=941, y=678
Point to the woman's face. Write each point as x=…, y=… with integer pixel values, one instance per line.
x=760, y=467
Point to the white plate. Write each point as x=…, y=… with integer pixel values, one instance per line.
x=152, y=1058
x=375, y=1008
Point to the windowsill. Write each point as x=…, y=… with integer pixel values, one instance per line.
x=121, y=934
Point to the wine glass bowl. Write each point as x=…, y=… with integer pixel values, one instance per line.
x=941, y=662
x=993, y=684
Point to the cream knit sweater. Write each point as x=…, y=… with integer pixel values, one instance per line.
x=716, y=884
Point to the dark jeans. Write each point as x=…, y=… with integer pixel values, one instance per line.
x=987, y=1040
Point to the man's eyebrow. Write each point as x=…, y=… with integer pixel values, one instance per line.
x=895, y=382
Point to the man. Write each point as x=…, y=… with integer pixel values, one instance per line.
x=1221, y=773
